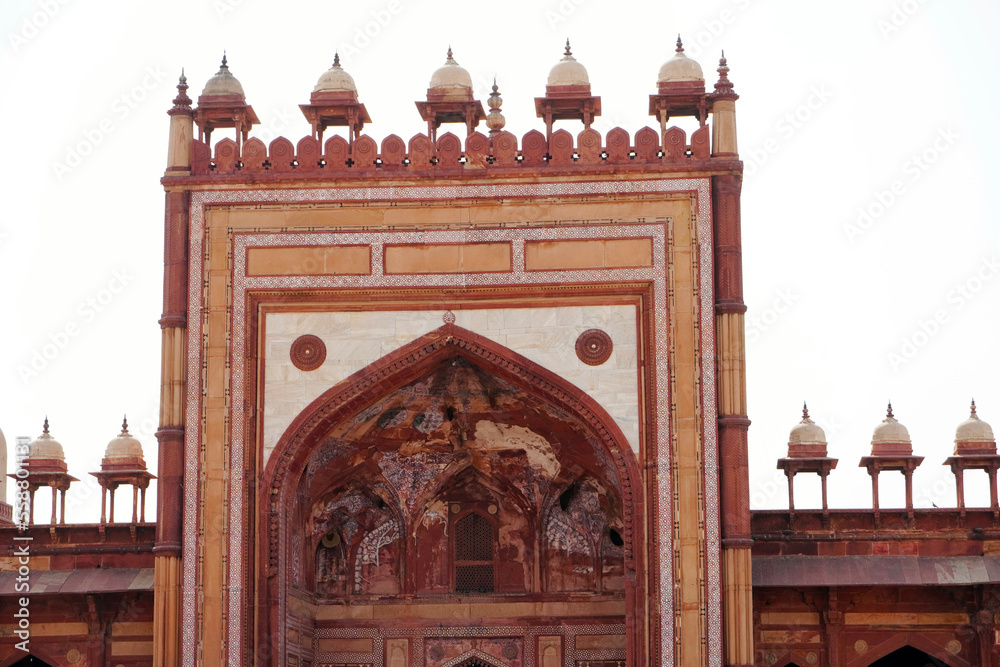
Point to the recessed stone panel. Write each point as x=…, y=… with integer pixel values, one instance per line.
x=447, y=258
x=588, y=254
x=316, y=260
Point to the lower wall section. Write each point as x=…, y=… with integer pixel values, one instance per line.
x=861, y=625
x=600, y=643
x=83, y=630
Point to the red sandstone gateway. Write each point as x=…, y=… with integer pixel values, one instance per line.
x=479, y=400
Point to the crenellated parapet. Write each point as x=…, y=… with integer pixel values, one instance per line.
x=478, y=154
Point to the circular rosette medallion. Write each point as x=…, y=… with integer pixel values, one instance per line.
x=593, y=347
x=308, y=352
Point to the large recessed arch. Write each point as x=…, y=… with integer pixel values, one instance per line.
x=288, y=462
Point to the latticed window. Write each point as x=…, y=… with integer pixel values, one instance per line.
x=474, y=554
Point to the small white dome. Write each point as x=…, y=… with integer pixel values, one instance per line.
x=974, y=429
x=890, y=430
x=45, y=446
x=680, y=68
x=451, y=75
x=335, y=79
x=806, y=432
x=123, y=446
x=568, y=71
x=223, y=83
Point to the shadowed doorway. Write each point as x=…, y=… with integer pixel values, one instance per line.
x=908, y=657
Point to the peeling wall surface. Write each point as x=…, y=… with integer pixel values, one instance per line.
x=544, y=335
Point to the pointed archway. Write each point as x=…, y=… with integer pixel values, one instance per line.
x=908, y=656
x=474, y=658
x=906, y=647
x=361, y=410
x=30, y=661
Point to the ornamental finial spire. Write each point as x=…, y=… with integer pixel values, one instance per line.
x=45, y=426
x=124, y=425
x=888, y=412
x=724, y=87
x=494, y=119
x=182, y=103
x=805, y=410
x=336, y=59
x=568, y=52
x=680, y=44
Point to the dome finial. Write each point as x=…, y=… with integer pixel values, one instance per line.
x=807, y=438
x=452, y=76
x=888, y=412
x=568, y=52
x=974, y=436
x=125, y=425
x=336, y=59
x=45, y=426
x=223, y=82
x=680, y=44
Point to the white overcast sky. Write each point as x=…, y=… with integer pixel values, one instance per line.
x=888, y=106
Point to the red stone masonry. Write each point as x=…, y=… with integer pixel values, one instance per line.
x=447, y=157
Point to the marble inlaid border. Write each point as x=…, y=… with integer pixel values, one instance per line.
x=197, y=332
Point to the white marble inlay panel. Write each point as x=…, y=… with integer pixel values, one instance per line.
x=546, y=336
